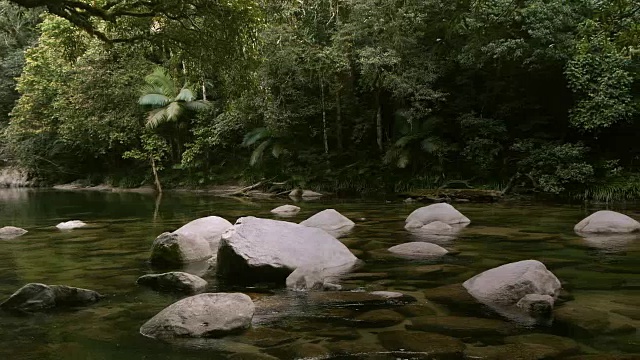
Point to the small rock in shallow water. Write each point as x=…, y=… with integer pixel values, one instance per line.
x=606, y=221
x=418, y=250
x=10, y=232
x=330, y=221
x=299, y=351
x=588, y=321
x=563, y=346
x=69, y=225
x=536, y=304
x=441, y=212
x=204, y=315
x=37, y=297
x=173, y=281
x=286, y=210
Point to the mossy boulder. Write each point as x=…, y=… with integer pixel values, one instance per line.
x=433, y=345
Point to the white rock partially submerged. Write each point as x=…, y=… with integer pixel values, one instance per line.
x=11, y=232
x=607, y=222
x=525, y=282
x=204, y=315
x=330, y=221
x=418, y=250
x=174, y=281
x=269, y=250
x=209, y=228
x=286, y=210
x=441, y=212
x=70, y=225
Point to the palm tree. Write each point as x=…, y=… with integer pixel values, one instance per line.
x=168, y=103
x=267, y=139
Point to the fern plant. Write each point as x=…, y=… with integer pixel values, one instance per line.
x=265, y=140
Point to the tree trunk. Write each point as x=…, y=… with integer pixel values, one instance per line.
x=324, y=119
x=204, y=91
x=379, y=122
x=155, y=175
x=338, y=121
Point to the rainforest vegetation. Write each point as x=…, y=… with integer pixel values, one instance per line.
x=337, y=95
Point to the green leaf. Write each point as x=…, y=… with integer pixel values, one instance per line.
x=156, y=117
x=254, y=136
x=174, y=110
x=185, y=95
x=197, y=105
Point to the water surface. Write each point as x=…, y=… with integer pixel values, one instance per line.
x=112, y=253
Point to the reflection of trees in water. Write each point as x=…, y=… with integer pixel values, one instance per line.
x=13, y=195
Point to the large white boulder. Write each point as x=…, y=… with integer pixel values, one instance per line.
x=331, y=221
x=204, y=315
x=10, y=232
x=209, y=228
x=606, y=221
x=418, y=250
x=442, y=212
x=177, y=249
x=508, y=284
x=269, y=250
x=69, y=225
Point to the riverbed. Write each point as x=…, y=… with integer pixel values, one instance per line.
x=601, y=281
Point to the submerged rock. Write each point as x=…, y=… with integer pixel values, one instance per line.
x=286, y=210
x=379, y=318
x=540, y=305
x=606, y=221
x=506, y=285
x=588, y=321
x=11, y=232
x=69, y=225
x=441, y=212
x=177, y=249
x=418, y=250
x=511, y=352
x=37, y=297
x=562, y=346
x=331, y=221
x=461, y=326
x=345, y=299
x=204, y=315
x=209, y=228
x=433, y=345
x=257, y=250
x=174, y=281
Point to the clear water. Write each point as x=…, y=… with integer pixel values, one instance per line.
x=112, y=253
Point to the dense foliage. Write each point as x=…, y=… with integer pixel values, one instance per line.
x=337, y=94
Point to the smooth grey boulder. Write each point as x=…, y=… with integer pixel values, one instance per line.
x=308, y=194
x=11, y=232
x=70, y=225
x=442, y=212
x=203, y=315
x=509, y=284
x=177, y=249
x=418, y=250
x=174, y=281
x=257, y=250
x=37, y=297
x=286, y=210
x=330, y=221
x=209, y=228
x=606, y=221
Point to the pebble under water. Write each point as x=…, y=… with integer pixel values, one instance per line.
x=596, y=317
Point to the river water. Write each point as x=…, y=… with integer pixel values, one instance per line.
x=601, y=282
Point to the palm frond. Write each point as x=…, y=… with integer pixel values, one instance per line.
x=174, y=110
x=155, y=100
x=255, y=135
x=431, y=144
x=277, y=150
x=197, y=105
x=404, y=157
x=258, y=153
x=161, y=80
x=185, y=95
x=156, y=117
